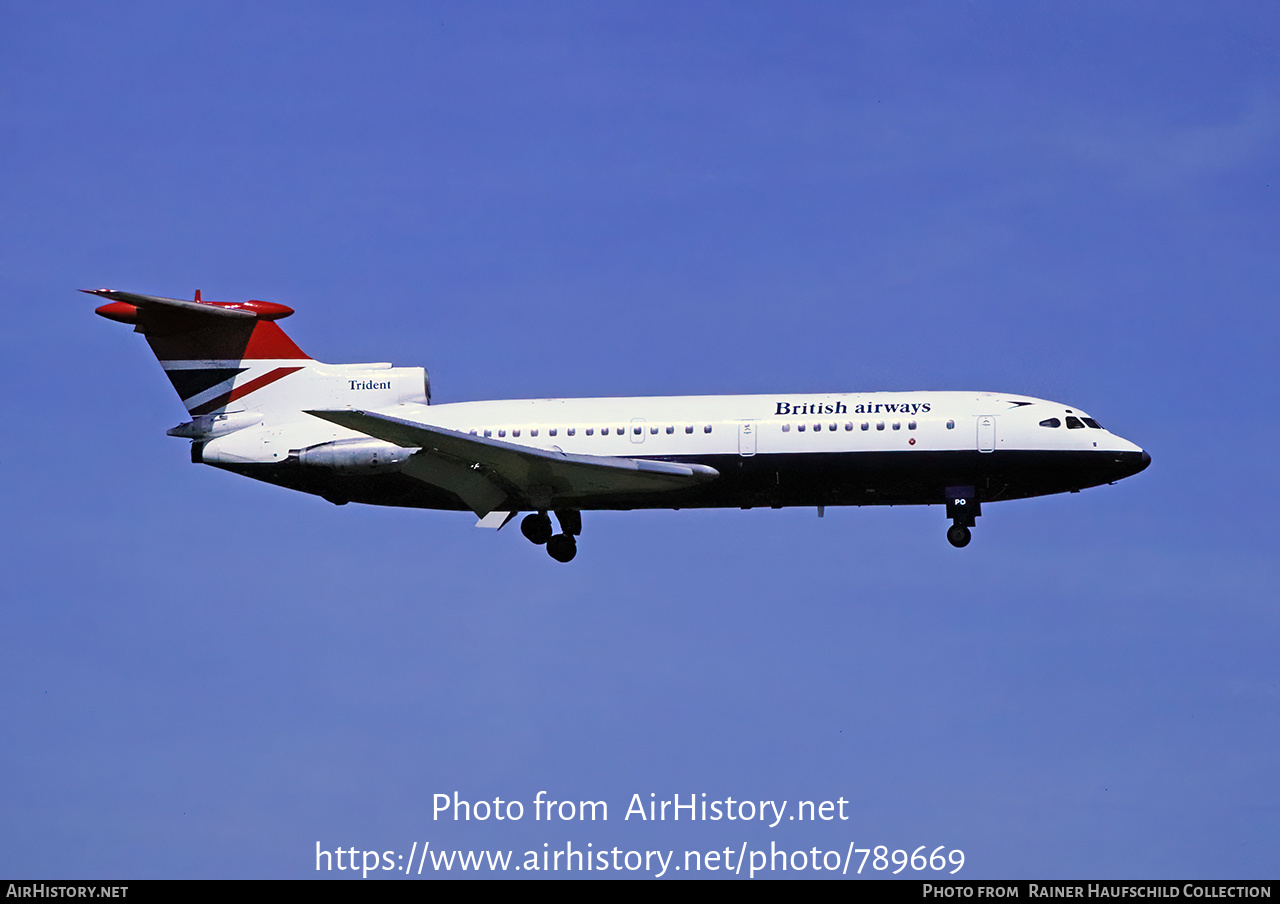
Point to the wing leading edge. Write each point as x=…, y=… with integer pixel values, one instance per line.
x=486, y=474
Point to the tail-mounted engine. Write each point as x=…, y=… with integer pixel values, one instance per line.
x=353, y=456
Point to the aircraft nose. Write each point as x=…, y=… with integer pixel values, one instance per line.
x=1130, y=463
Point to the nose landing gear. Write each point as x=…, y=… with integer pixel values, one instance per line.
x=963, y=509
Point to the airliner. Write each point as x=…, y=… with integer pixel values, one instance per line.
x=260, y=407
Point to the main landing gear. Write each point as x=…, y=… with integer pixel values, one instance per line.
x=562, y=546
x=536, y=528
x=963, y=509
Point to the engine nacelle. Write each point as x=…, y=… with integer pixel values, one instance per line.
x=354, y=455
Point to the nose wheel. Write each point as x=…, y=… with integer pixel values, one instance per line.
x=963, y=509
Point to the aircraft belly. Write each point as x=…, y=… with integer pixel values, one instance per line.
x=391, y=489
x=883, y=478
x=765, y=480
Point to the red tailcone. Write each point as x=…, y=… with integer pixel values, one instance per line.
x=266, y=310
x=119, y=311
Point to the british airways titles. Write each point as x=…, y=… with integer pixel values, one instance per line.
x=799, y=408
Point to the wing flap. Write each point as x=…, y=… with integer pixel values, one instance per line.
x=481, y=494
x=486, y=472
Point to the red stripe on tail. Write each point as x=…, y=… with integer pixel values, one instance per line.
x=239, y=392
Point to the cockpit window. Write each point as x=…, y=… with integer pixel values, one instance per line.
x=1073, y=423
x=1090, y=422
x=1051, y=422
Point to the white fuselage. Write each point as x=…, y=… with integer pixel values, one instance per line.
x=786, y=449
x=675, y=426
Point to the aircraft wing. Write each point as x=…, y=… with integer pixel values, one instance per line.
x=486, y=473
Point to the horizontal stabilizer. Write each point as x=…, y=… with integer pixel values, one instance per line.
x=187, y=335
x=254, y=310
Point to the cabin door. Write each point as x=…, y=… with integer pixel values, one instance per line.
x=747, y=438
x=986, y=433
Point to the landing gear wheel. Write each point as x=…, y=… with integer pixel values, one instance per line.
x=958, y=535
x=536, y=528
x=562, y=548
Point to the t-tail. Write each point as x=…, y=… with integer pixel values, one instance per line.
x=237, y=372
x=215, y=353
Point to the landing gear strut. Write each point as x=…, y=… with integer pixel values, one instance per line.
x=963, y=509
x=562, y=546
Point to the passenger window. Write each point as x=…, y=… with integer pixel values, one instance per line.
x=897, y=425
x=515, y=432
x=1090, y=422
x=800, y=427
x=571, y=431
x=591, y=431
x=866, y=425
x=488, y=433
x=848, y=425
x=604, y=431
x=879, y=425
x=689, y=428
x=1073, y=423
x=669, y=429
x=533, y=432
x=817, y=428
x=786, y=428
x=911, y=425
x=706, y=429
x=653, y=431
x=951, y=425
x=473, y=433
x=552, y=432
x=1051, y=422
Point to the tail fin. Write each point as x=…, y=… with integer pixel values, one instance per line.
x=205, y=346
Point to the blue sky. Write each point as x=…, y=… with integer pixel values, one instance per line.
x=204, y=676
